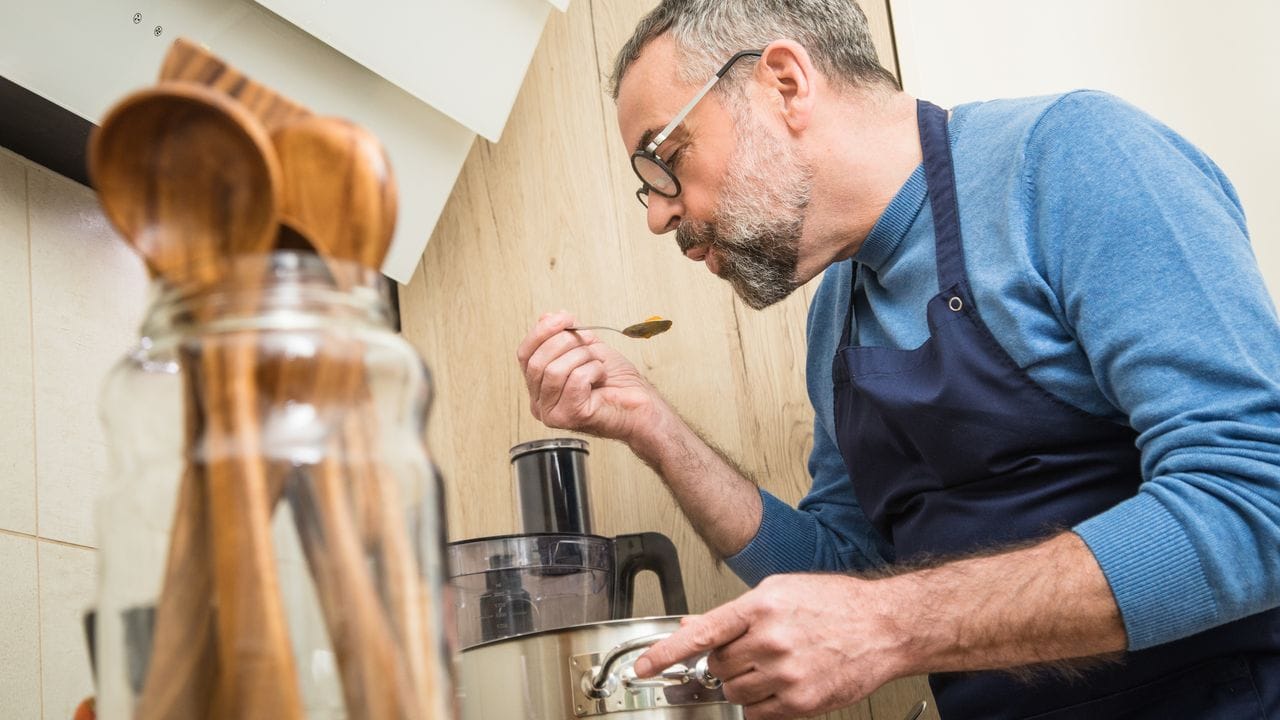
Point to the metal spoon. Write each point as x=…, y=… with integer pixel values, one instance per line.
x=642, y=330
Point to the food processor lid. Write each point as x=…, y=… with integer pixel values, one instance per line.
x=532, y=446
x=530, y=552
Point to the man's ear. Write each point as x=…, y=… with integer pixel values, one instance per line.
x=788, y=74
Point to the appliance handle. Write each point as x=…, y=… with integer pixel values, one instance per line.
x=601, y=681
x=637, y=552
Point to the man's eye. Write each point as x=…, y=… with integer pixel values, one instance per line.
x=675, y=157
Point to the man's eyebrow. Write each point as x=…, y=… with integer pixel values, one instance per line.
x=645, y=138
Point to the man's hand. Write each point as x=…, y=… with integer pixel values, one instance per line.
x=796, y=646
x=804, y=644
x=576, y=382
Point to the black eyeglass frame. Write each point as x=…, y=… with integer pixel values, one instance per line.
x=649, y=152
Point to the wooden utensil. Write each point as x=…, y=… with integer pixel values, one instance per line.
x=339, y=192
x=183, y=666
x=187, y=60
x=190, y=179
x=409, y=600
x=376, y=684
x=340, y=196
x=174, y=161
x=258, y=676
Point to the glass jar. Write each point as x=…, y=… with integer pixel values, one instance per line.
x=271, y=538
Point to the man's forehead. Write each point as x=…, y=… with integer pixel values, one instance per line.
x=651, y=93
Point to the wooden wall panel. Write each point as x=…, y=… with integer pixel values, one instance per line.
x=546, y=220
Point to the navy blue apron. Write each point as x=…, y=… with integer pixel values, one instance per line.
x=953, y=449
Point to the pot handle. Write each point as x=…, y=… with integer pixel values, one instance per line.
x=601, y=681
x=637, y=552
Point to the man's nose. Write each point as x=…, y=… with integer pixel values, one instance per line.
x=664, y=213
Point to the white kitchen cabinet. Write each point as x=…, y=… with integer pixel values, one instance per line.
x=84, y=55
x=465, y=58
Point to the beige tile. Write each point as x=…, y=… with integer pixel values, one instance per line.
x=88, y=293
x=17, y=435
x=67, y=588
x=19, y=630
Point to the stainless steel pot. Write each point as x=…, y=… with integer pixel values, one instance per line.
x=585, y=672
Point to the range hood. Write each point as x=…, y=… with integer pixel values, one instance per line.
x=426, y=77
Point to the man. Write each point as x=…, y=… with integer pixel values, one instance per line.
x=1045, y=370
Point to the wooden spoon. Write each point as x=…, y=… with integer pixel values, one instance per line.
x=190, y=178
x=340, y=196
x=339, y=191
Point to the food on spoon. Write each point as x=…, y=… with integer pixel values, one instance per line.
x=653, y=325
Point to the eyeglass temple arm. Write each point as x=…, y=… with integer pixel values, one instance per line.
x=657, y=140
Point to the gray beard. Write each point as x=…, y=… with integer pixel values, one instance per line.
x=759, y=217
x=761, y=270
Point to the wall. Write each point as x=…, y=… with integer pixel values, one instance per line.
x=71, y=294
x=547, y=219
x=1207, y=70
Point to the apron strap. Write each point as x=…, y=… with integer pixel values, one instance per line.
x=941, y=180
x=941, y=183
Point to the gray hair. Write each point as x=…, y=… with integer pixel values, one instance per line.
x=709, y=32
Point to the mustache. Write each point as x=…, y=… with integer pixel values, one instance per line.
x=765, y=249
x=691, y=234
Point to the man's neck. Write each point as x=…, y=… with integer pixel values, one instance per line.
x=865, y=149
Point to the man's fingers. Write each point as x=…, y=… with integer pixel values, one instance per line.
x=549, y=324
x=546, y=355
x=722, y=625
x=578, y=387
x=735, y=658
x=769, y=709
x=748, y=689
x=557, y=374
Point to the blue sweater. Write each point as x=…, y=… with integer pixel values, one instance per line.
x=1110, y=259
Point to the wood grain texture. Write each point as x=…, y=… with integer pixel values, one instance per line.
x=338, y=190
x=188, y=60
x=546, y=220
x=188, y=177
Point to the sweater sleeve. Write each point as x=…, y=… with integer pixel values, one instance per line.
x=1145, y=245
x=828, y=531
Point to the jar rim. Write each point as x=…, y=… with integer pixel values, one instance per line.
x=258, y=285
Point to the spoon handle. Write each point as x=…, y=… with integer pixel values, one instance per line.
x=593, y=327
x=257, y=670
x=182, y=672
x=377, y=684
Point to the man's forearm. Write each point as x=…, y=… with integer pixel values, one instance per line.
x=1042, y=603
x=723, y=505
x=810, y=643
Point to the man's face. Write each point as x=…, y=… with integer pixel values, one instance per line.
x=744, y=188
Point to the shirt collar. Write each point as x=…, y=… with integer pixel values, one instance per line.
x=891, y=228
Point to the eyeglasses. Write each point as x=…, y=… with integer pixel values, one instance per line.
x=654, y=172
